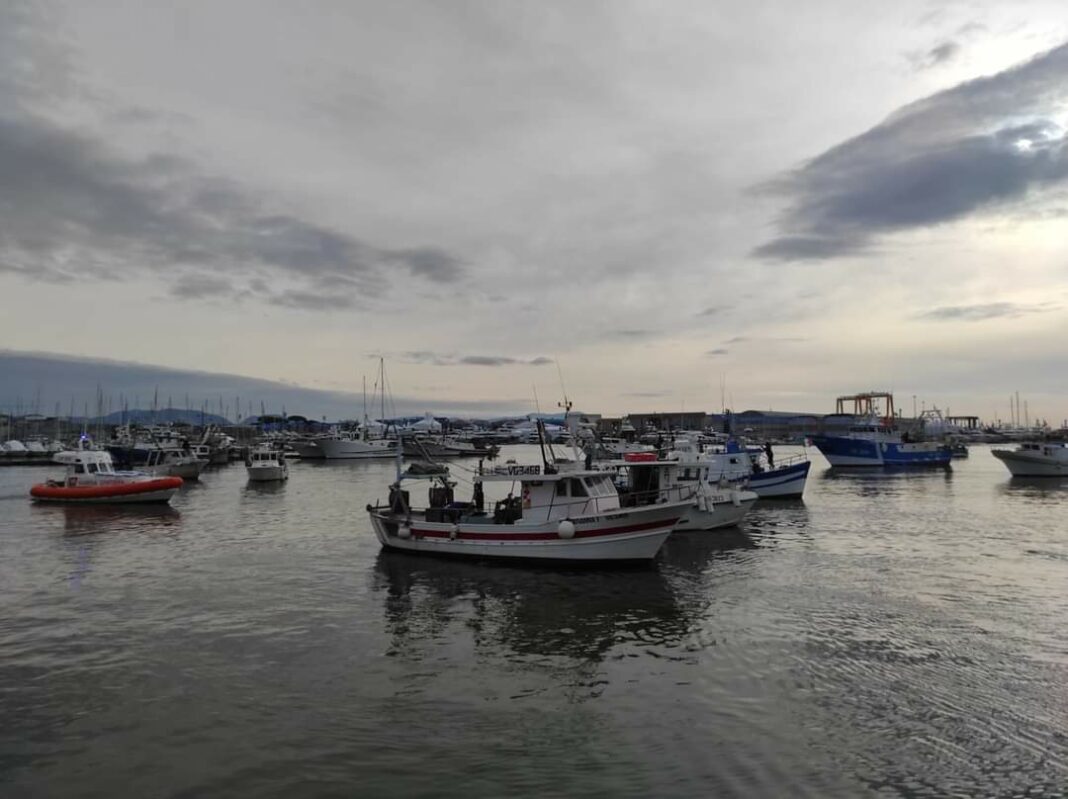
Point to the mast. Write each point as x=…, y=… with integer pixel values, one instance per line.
x=382, y=380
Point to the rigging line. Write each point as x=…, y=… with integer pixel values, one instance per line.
x=560, y=372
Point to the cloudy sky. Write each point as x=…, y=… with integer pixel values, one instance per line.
x=667, y=205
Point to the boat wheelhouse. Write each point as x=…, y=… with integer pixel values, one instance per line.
x=645, y=480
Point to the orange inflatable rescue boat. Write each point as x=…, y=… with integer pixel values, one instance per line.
x=92, y=478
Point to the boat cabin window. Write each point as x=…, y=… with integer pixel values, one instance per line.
x=79, y=469
x=561, y=488
x=577, y=488
x=91, y=467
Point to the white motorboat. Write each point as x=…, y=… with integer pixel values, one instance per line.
x=746, y=466
x=447, y=447
x=712, y=504
x=1039, y=459
x=345, y=446
x=266, y=463
x=165, y=462
x=608, y=448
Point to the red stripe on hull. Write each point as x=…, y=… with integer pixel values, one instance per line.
x=542, y=536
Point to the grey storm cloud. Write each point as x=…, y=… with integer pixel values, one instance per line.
x=69, y=209
x=981, y=312
x=72, y=207
x=985, y=143
x=437, y=359
x=201, y=287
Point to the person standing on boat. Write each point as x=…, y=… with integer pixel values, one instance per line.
x=769, y=455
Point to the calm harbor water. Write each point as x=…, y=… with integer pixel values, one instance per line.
x=894, y=634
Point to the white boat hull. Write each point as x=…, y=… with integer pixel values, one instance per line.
x=187, y=471
x=1026, y=464
x=267, y=473
x=347, y=449
x=634, y=534
x=726, y=513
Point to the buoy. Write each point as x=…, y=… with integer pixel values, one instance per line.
x=454, y=532
x=405, y=531
x=736, y=497
x=566, y=529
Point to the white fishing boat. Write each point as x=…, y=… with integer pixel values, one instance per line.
x=1038, y=459
x=713, y=504
x=778, y=478
x=165, y=462
x=266, y=463
x=556, y=511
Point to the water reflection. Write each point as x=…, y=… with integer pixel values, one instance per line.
x=95, y=519
x=1043, y=489
x=778, y=516
x=695, y=552
x=866, y=480
x=578, y=614
x=265, y=486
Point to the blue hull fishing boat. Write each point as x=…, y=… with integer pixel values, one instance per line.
x=874, y=440
x=784, y=481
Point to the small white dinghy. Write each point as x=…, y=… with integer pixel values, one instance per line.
x=265, y=464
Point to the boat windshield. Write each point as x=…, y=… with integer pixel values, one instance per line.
x=600, y=486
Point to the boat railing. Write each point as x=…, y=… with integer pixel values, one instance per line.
x=513, y=508
x=789, y=460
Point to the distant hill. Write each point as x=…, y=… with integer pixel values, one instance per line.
x=163, y=416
